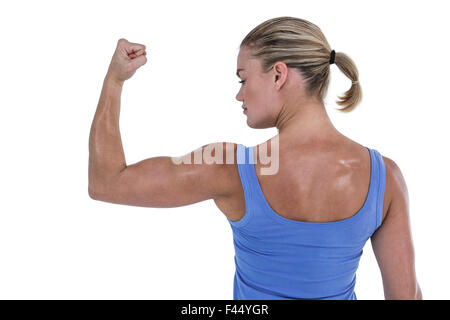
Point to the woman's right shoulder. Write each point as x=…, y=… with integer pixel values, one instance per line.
x=395, y=187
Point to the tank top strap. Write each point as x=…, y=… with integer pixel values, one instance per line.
x=245, y=160
x=245, y=164
x=380, y=178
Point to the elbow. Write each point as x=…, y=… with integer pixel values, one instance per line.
x=96, y=193
x=105, y=189
x=102, y=187
x=97, y=189
x=92, y=193
x=102, y=192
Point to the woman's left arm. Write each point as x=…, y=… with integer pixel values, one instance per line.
x=154, y=182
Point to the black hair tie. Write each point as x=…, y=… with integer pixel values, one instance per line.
x=332, y=56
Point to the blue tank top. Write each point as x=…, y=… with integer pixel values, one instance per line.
x=278, y=258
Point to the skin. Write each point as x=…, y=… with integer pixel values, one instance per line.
x=327, y=174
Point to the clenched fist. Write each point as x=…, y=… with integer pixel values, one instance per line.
x=127, y=58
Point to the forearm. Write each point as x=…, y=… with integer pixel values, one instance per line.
x=106, y=155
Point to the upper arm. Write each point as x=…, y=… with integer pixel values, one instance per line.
x=172, y=181
x=392, y=242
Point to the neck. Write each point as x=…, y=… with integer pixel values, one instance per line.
x=308, y=122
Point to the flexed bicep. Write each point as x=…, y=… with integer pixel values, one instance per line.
x=164, y=182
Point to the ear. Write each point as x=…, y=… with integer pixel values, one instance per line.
x=281, y=71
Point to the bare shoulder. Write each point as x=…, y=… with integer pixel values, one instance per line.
x=394, y=173
x=396, y=188
x=224, y=172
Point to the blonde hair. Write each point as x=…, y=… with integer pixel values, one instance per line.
x=301, y=44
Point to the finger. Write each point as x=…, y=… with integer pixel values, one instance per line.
x=135, y=47
x=139, y=52
x=139, y=61
x=132, y=53
x=136, y=54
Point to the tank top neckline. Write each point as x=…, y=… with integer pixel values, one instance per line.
x=273, y=214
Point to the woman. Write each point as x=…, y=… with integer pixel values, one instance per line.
x=300, y=225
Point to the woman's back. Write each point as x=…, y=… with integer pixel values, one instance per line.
x=286, y=251
x=315, y=182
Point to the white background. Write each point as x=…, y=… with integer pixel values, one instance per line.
x=58, y=243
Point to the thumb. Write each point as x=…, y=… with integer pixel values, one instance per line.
x=138, y=61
